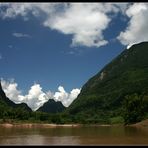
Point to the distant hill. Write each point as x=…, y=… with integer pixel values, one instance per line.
x=11, y=103
x=52, y=107
x=101, y=98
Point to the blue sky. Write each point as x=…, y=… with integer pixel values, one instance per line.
x=38, y=46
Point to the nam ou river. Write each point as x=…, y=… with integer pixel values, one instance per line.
x=87, y=135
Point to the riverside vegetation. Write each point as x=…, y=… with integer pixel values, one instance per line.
x=118, y=94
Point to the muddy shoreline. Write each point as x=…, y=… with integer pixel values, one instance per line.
x=44, y=125
x=48, y=125
x=141, y=124
x=37, y=125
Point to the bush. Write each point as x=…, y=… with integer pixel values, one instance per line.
x=117, y=120
x=134, y=108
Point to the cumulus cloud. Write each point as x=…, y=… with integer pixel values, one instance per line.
x=121, y=7
x=64, y=97
x=21, y=35
x=71, y=97
x=13, y=10
x=10, y=88
x=36, y=97
x=84, y=21
x=137, y=29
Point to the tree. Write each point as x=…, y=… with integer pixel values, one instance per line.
x=133, y=108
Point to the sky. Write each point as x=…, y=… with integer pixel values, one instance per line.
x=50, y=50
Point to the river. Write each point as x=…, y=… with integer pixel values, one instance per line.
x=101, y=135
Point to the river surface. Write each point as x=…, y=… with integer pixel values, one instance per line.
x=107, y=135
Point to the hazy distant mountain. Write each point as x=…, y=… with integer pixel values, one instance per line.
x=52, y=107
x=102, y=96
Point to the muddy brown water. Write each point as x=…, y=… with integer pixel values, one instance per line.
x=106, y=135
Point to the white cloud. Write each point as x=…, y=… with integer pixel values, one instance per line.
x=121, y=7
x=59, y=96
x=84, y=21
x=21, y=35
x=64, y=97
x=13, y=10
x=137, y=29
x=36, y=97
x=10, y=88
x=71, y=97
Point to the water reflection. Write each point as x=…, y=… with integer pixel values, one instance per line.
x=40, y=140
x=73, y=136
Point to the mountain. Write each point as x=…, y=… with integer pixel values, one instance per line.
x=11, y=103
x=52, y=107
x=101, y=98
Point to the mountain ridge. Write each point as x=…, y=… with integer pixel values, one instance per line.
x=10, y=103
x=102, y=95
x=52, y=106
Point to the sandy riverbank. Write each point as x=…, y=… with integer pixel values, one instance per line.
x=37, y=125
x=46, y=125
x=143, y=123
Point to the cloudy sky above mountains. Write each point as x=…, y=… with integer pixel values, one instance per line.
x=49, y=50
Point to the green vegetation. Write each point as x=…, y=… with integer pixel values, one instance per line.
x=10, y=114
x=11, y=103
x=135, y=108
x=118, y=94
x=101, y=98
x=117, y=120
x=52, y=107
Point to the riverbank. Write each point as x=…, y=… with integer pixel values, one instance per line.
x=37, y=125
x=143, y=123
x=28, y=124
x=45, y=125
